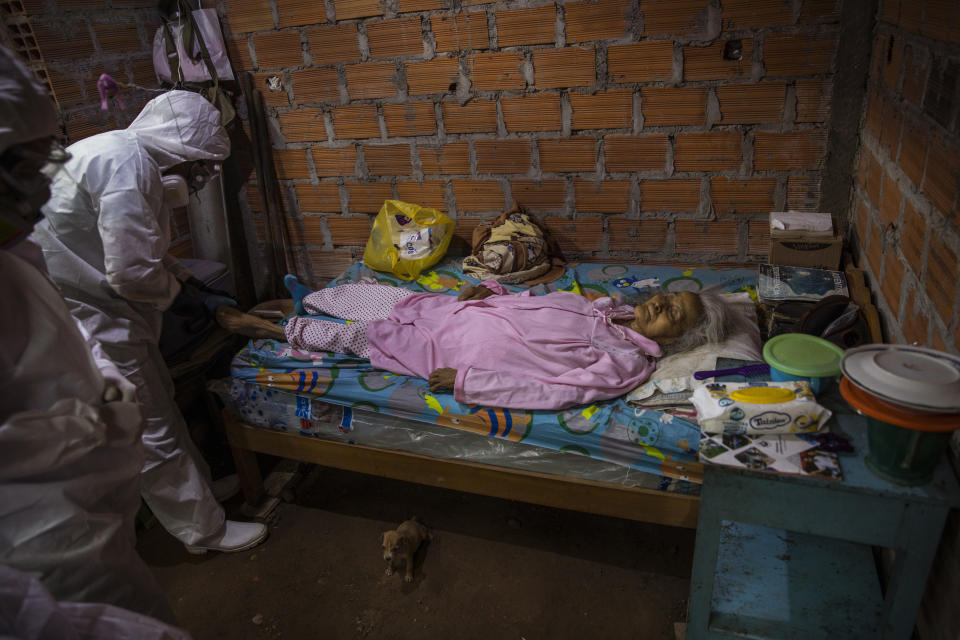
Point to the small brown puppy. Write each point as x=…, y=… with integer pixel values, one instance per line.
x=402, y=543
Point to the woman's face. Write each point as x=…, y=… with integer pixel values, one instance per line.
x=667, y=316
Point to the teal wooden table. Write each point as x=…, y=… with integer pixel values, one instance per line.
x=790, y=557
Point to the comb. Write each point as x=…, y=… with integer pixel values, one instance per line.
x=747, y=371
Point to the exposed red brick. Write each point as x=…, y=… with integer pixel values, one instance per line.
x=63, y=41
x=911, y=16
x=750, y=103
x=474, y=117
x=419, y=5
x=477, y=195
x=270, y=98
x=892, y=64
x=715, y=151
x=336, y=43
x=916, y=322
x=538, y=112
x=294, y=13
x=798, y=54
x=803, y=193
x=248, y=15
x=118, y=37
x=502, y=156
x=608, y=196
x=890, y=200
x=669, y=195
x=368, y=197
x=327, y=265
x=916, y=64
x=875, y=250
x=336, y=161
x=943, y=175
x=699, y=236
x=672, y=16
x=890, y=11
x=319, y=198
x=398, y=37
x=890, y=131
x=637, y=235
x=67, y=90
x=568, y=67
x=813, y=100
x=346, y=9
x=874, y=179
x=410, y=119
x=914, y=230
x=371, y=80
x=388, y=160
x=784, y=151
x=595, y=20
x=863, y=222
x=941, y=21
x=665, y=106
x=460, y=31
x=874, y=113
x=646, y=61
x=708, y=63
x=543, y=195
x=349, y=231
x=636, y=153
x=304, y=125
x=496, y=71
x=451, y=158
x=314, y=85
x=573, y=154
x=743, y=196
x=434, y=76
x=756, y=14
x=603, y=110
x=580, y=235
x=356, y=121
x=758, y=238
x=291, y=164
x=463, y=233
x=913, y=154
x=892, y=282
x=239, y=54
x=526, y=26
x=429, y=193
x=276, y=49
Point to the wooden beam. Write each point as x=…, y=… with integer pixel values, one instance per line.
x=644, y=505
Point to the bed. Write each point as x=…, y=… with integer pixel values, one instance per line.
x=610, y=458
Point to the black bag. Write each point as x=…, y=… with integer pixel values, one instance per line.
x=839, y=320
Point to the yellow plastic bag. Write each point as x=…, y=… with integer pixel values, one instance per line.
x=407, y=238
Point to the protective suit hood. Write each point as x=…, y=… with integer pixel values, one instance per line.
x=181, y=126
x=26, y=110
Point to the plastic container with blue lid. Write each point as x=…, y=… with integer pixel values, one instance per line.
x=798, y=356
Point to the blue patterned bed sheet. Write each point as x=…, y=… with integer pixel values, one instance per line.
x=614, y=431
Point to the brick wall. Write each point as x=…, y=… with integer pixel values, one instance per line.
x=904, y=207
x=80, y=39
x=659, y=130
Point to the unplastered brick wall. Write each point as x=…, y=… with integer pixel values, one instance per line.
x=661, y=129
x=79, y=40
x=908, y=175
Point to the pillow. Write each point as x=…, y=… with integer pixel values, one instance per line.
x=675, y=372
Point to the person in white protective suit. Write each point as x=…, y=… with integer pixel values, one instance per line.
x=105, y=238
x=70, y=449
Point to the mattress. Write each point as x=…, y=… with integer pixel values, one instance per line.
x=323, y=394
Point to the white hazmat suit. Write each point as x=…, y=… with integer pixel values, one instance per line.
x=105, y=238
x=69, y=458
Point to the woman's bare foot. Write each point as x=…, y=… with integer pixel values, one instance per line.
x=236, y=321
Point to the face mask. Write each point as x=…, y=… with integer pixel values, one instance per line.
x=26, y=172
x=176, y=193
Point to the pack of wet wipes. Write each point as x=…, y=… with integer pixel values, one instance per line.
x=756, y=408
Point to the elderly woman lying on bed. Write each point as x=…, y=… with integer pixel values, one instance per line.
x=499, y=349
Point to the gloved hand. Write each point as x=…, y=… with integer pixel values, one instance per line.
x=115, y=386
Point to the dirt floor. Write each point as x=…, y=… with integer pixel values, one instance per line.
x=495, y=569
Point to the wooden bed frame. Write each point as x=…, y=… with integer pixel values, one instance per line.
x=608, y=499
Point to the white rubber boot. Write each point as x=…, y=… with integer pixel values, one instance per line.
x=236, y=536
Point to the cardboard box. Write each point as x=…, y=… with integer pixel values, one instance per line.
x=799, y=250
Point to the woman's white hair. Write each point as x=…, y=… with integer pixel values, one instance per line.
x=713, y=328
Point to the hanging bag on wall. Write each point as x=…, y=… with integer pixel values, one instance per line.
x=190, y=48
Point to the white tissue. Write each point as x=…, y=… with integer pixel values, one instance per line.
x=818, y=223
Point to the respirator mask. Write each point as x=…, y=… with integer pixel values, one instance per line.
x=26, y=171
